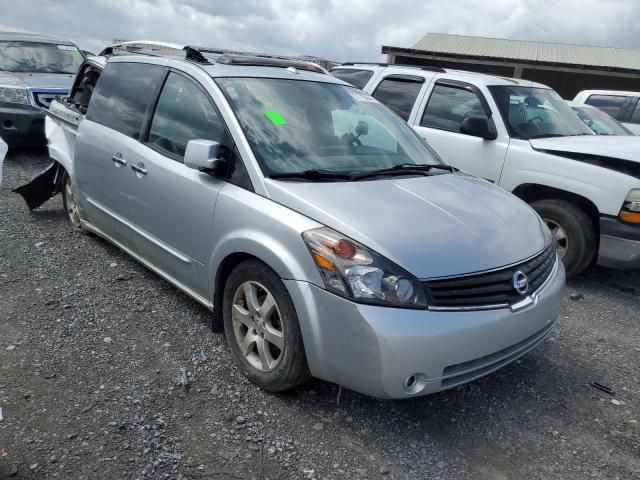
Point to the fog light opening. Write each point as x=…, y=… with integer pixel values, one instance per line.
x=414, y=383
x=8, y=124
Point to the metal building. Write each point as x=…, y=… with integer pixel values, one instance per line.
x=564, y=67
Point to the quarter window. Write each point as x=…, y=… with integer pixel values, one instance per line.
x=614, y=105
x=184, y=112
x=449, y=106
x=357, y=78
x=399, y=94
x=123, y=94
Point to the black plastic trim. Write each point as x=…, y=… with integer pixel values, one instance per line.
x=614, y=227
x=619, y=165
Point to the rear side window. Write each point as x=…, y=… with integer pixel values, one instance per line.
x=184, y=112
x=399, y=93
x=448, y=107
x=614, y=105
x=357, y=78
x=123, y=94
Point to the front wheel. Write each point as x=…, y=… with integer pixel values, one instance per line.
x=262, y=328
x=573, y=232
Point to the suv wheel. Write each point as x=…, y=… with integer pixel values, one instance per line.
x=262, y=329
x=69, y=202
x=573, y=231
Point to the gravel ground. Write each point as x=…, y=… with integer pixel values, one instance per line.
x=92, y=346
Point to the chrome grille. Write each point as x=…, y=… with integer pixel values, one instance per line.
x=43, y=97
x=493, y=288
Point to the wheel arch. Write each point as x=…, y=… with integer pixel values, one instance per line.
x=287, y=263
x=530, y=192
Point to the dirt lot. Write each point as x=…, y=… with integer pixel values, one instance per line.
x=91, y=347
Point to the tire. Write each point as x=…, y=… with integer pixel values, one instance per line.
x=578, y=247
x=69, y=202
x=247, y=327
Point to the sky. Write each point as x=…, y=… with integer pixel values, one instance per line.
x=349, y=30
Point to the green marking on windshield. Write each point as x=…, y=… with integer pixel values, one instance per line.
x=275, y=118
x=74, y=53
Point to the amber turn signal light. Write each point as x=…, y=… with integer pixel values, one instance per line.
x=630, y=217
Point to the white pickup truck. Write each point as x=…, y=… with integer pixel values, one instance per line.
x=523, y=137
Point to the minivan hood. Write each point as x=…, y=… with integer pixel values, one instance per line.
x=625, y=148
x=37, y=80
x=440, y=225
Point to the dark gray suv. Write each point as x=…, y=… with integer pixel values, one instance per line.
x=33, y=70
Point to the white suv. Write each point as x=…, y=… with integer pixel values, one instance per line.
x=522, y=136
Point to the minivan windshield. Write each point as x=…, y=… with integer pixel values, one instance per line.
x=300, y=126
x=531, y=112
x=35, y=57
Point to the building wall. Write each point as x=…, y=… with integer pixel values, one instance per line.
x=567, y=84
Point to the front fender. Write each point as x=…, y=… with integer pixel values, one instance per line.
x=251, y=224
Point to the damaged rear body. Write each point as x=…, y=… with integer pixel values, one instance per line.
x=61, y=128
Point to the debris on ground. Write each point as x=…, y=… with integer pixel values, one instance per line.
x=603, y=388
x=576, y=296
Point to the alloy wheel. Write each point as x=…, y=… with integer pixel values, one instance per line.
x=257, y=326
x=71, y=204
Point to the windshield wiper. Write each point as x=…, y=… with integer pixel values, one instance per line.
x=404, y=169
x=313, y=174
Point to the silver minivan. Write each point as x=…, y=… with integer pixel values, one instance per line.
x=326, y=235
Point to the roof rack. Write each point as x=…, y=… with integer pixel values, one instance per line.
x=428, y=68
x=207, y=55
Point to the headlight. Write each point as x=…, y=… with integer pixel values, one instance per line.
x=14, y=95
x=355, y=272
x=630, y=211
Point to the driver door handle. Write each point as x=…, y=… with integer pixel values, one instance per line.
x=117, y=158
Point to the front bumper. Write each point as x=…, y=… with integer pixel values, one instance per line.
x=619, y=244
x=22, y=125
x=375, y=350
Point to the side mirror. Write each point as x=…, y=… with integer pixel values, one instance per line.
x=203, y=155
x=478, y=127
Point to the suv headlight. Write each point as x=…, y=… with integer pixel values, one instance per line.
x=352, y=271
x=630, y=211
x=14, y=95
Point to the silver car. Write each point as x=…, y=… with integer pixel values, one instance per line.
x=326, y=235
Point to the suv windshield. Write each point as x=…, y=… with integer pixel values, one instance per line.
x=600, y=122
x=532, y=112
x=36, y=57
x=297, y=126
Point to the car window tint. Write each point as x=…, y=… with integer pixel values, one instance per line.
x=357, y=78
x=449, y=106
x=123, y=94
x=398, y=95
x=635, y=118
x=614, y=105
x=184, y=112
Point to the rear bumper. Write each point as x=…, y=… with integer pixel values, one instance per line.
x=619, y=244
x=22, y=125
x=375, y=350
